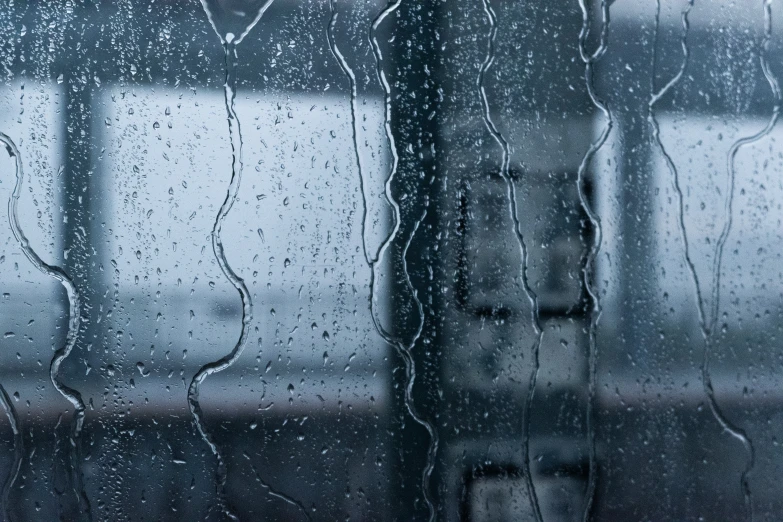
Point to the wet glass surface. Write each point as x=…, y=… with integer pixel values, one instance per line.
x=326, y=260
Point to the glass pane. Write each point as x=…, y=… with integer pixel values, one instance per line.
x=478, y=260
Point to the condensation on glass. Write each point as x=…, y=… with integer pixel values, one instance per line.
x=483, y=260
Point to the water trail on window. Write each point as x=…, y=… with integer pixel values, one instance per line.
x=708, y=330
x=352, y=83
x=390, y=8
x=587, y=266
x=675, y=179
x=275, y=493
x=230, y=42
x=403, y=349
x=238, y=283
x=62, y=353
x=655, y=97
x=13, y=472
x=513, y=211
x=410, y=375
x=405, y=352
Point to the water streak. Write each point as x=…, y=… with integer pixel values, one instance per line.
x=354, y=126
x=709, y=330
x=231, y=38
x=277, y=494
x=405, y=352
x=587, y=266
x=13, y=472
x=74, y=321
x=235, y=136
x=512, y=208
x=655, y=97
x=389, y=9
x=403, y=349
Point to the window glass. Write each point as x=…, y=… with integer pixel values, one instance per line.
x=479, y=260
